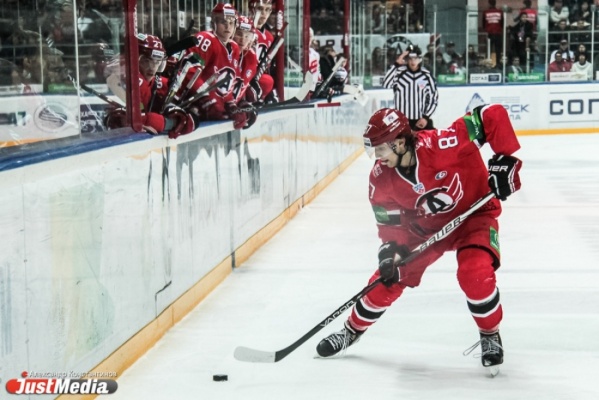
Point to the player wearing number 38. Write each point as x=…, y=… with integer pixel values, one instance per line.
x=420, y=182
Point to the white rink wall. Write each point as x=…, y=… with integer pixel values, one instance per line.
x=96, y=246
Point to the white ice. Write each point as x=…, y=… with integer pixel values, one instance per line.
x=549, y=283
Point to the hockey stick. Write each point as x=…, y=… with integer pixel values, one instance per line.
x=211, y=83
x=101, y=96
x=358, y=92
x=252, y=355
x=183, y=44
x=184, y=66
x=325, y=84
x=298, y=98
x=303, y=105
x=268, y=55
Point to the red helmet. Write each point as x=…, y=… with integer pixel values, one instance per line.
x=385, y=126
x=226, y=9
x=245, y=24
x=150, y=46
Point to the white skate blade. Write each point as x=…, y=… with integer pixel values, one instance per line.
x=493, y=370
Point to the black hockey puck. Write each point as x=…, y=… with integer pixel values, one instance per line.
x=220, y=378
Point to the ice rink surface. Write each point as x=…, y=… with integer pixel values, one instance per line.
x=549, y=283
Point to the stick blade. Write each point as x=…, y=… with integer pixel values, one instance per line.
x=251, y=355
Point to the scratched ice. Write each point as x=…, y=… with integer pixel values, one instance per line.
x=549, y=284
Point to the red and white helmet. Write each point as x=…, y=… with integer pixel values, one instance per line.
x=385, y=126
x=150, y=46
x=245, y=24
x=225, y=10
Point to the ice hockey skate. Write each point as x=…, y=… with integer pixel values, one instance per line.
x=491, y=355
x=337, y=342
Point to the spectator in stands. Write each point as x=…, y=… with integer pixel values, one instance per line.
x=559, y=33
x=558, y=12
x=378, y=66
x=395, y=20
x=582, y=11
x=426, y=63
x=583, y=67
x=559, y=65
x=515, y=67
x=9, y=74
x=472, y=57
x=450, y=53
x=581, y=32
x=430, y=51
x=493, y=25
x=522, y=38
x=564, y=50
x=377, y=21
x=327, y=61
x=530, y=12
x=440, y=65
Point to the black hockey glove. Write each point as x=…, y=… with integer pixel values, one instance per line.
x=504, y=178
x=390, y=255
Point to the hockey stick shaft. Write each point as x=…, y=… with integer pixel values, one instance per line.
x=101, y=96
x=298, y=106
x=183, y=44
x=298, y=98
x=251, y=355
x=211, y=83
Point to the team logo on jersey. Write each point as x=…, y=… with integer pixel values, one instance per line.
x=227, y=84
x=377, y=170
x=419, y=188
x=440, y=175
x=441, y=199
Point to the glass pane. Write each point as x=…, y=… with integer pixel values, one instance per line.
x=50, y=51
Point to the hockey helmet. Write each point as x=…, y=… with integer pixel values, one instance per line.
x=245, y=24
x=245, y=33
x=151, y=48
x=225, y=10
x=385, y=126
x=101, y=55
x=414, y=51
x=340, y=75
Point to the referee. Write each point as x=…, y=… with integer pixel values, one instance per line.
x=414, y=89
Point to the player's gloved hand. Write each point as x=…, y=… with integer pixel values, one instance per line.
x=153, y=122
x=242, y=114
x=239, y=119
x=504, y=177
x=250, y=112
x=115, y=118
x=178, y=122
x=390, y=255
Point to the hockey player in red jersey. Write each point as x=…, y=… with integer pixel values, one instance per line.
x=248, y=62
x=218, y=54
x=260, y=10
x=420, y=182
x=152, y=91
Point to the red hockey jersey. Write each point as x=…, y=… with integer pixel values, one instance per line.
x=449, y=176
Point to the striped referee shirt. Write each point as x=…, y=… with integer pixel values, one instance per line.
x=415, y=92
